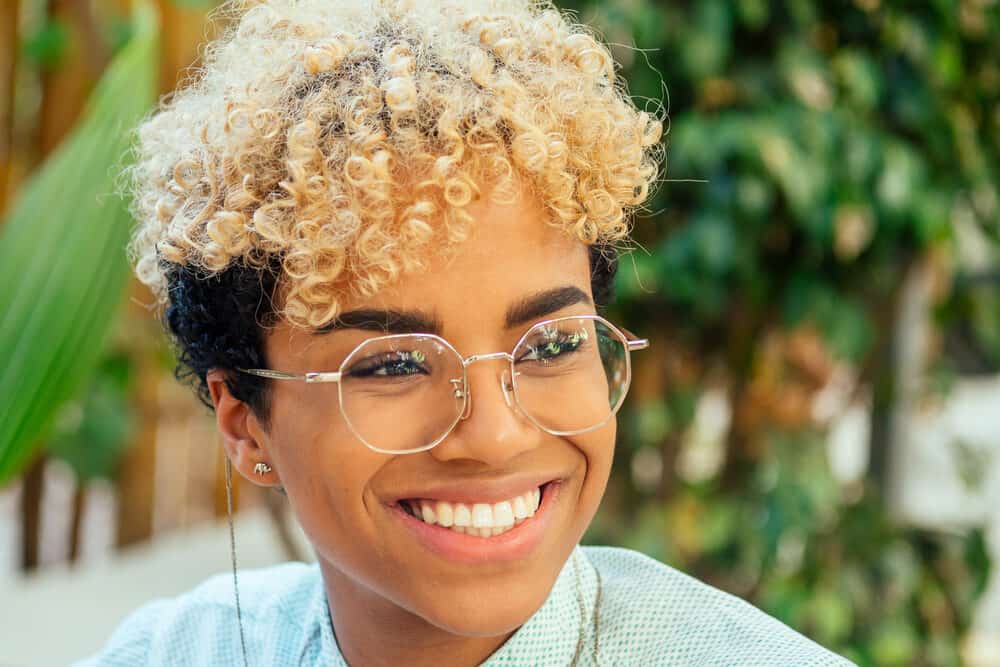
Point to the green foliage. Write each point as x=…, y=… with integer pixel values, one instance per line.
x=91, y=431
x=838, y=143
x=195, y=4
x=46, y=47
x=62, y=264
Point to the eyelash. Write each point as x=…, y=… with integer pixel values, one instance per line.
x=554, y=344
x=373, y=366
x=576, y=340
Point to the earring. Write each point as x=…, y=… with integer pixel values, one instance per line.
x=261, y=469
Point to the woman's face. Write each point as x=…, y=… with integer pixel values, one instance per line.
x=351, y=500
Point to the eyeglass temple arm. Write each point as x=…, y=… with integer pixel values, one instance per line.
x=305, y=377
x=634, y=342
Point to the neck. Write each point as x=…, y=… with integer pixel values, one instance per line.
x=373, y=631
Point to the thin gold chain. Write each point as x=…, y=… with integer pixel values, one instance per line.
x=232, y=555
x=583, y=614
x=597, y=616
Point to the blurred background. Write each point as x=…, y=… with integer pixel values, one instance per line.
x=815, y=428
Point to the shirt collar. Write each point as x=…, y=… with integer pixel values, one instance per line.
x=328, y=649
x=550, y=636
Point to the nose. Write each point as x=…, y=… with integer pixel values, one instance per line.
x=492, y=430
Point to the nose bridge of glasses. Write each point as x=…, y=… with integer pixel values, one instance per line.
x=471, y=359
x=505, y=380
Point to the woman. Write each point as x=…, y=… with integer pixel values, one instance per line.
x=382, y=232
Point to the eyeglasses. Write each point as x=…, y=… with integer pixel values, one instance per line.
x=404, y=393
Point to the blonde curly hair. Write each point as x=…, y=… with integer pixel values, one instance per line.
x=340, y=140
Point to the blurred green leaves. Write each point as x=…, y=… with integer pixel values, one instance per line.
x=838, y=145
x=62, y=260
x=47, y=45
x=91, y=431
x=195, y=4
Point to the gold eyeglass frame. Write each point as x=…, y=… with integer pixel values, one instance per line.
x=508, y=383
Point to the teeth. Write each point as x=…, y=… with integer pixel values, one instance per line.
x=482, y=515
x=427, y=513
x=445, y=515
x=503, y=514
x=481, y=519
x=463, y=517
x=520, y=508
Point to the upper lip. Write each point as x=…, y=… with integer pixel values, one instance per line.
x=471, y=491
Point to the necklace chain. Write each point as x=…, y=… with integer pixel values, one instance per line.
x=583, y=614
x=232, y=554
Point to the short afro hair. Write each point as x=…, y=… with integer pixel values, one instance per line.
x=325, y=148
x=343, y=140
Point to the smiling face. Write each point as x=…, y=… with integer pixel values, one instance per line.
x=356, y=506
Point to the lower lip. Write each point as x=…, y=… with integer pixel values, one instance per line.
x=515, y=544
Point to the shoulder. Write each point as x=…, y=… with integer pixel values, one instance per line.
x=651, y=613
x=200, y=626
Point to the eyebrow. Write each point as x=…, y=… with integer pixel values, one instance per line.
x=539, y=305
x=384, y=321
x=530, y=308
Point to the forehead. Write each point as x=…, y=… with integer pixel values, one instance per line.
x=511, y=251
x=510, y=255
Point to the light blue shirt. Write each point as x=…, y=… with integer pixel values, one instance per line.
x=649, y=614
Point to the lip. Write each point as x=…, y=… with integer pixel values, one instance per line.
x=515, y=544
x=482, y=491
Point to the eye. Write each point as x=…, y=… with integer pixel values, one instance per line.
x=400, y=363
x=551, y=344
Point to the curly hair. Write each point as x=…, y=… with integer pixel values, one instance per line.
x=327, y=147
x=346, y=138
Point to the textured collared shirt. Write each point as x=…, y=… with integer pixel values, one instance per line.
x=649, y=614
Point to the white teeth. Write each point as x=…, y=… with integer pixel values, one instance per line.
x=482, y=515
x=481, y=519
x=445, y=516
x=503, y=514
x=428, y=513
x=462, y=515
x=520, y=508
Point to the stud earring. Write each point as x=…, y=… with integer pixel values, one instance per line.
x=261, y=469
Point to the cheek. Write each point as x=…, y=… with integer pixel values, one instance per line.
x=598, y=448
x=324, y=469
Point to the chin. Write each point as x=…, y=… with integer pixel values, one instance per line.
x=487, y=613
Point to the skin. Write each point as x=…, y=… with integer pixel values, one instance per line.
x=393, y=601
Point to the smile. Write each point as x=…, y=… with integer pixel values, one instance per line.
x=477, y=532
x=477, y=519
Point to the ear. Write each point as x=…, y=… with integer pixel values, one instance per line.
x=243, y=437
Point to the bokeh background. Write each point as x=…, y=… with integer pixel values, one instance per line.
x=815, y=428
